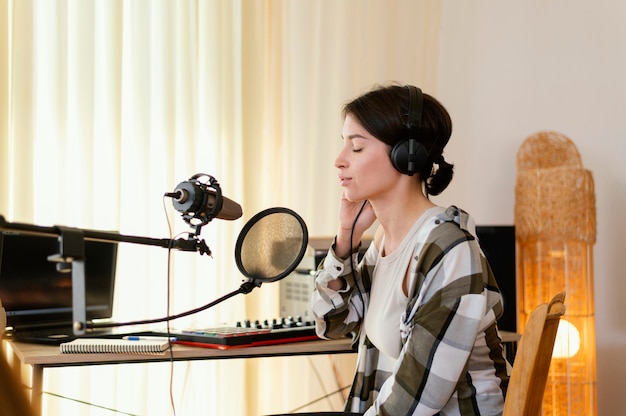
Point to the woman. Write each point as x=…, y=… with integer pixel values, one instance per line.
x=423, y=301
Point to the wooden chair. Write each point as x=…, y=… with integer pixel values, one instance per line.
x=532, y=359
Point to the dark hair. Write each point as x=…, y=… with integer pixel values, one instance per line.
x=383, y=112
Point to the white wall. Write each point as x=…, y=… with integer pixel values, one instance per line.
x=509, y=69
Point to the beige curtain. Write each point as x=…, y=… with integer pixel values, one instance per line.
x=107, y=105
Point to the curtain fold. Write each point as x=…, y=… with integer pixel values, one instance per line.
x=5, y=114
x=107, y=105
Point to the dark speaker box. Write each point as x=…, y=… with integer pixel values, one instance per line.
x=498, y=244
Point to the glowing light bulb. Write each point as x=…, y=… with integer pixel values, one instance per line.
x=567, y=342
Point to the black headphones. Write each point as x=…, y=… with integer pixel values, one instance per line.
x=409, y=155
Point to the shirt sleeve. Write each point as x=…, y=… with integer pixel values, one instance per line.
x=338, y=313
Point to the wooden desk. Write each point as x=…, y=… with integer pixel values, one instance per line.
x=43, y=356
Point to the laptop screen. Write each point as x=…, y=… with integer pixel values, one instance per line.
x=35, y=294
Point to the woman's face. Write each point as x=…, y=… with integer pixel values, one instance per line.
x=365, y=169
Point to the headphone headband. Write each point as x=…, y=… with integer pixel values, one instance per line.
x=416, y=104
x=409, y=156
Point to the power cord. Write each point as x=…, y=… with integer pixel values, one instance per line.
x=168, y=308
x=319, y=378
x=338, y=378
x=320, y=399
x=60, y=396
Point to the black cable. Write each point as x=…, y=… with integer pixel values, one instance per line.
x=319, y=399
x=318, y=376
x=356, y=283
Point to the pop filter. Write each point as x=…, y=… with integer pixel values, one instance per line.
x=271, y=245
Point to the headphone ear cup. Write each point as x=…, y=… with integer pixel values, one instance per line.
x=401, y=160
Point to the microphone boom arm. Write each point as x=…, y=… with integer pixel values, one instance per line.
x=72, y=247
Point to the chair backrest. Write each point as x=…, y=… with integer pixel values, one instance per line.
x=532, y=359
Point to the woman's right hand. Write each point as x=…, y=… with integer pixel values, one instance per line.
x=348, y=211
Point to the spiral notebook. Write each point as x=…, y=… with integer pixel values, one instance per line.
x=115, y=346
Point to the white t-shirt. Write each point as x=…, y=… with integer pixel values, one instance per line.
x=388, y=301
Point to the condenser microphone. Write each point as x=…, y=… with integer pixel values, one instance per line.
x=197, y=199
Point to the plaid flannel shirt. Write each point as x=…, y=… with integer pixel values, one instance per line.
x=452, y=361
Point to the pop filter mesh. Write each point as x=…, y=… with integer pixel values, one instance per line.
x=271, y=245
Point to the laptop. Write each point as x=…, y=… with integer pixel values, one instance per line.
x=38, y=298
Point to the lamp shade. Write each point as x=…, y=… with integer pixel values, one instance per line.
x=555, y=230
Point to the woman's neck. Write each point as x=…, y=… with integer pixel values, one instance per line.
x=396, y=219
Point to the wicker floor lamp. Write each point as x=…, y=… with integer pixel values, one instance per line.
x=555, y=229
